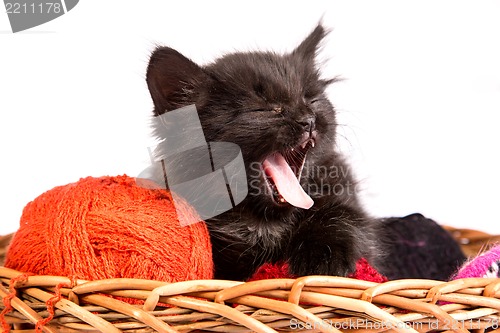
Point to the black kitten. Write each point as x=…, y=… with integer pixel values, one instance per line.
x=301, y=207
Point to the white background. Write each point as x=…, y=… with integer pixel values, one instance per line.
x=419, y=107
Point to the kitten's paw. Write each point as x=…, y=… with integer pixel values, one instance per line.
x=321, y=259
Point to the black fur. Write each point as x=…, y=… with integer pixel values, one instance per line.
x=265, y=103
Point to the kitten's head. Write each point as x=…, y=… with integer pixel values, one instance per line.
x=273, y=106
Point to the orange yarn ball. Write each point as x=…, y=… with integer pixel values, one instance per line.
x=110, y=227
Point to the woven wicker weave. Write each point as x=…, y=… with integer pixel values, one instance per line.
x=4, y=242
x=473, y=241
x=308, y=304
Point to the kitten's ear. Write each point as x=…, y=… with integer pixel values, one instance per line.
x=308, y=49
x=171, y=77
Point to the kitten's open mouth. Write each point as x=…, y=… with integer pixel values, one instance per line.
x=282, y=175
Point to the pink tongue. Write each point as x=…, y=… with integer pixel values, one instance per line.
x=285, y=180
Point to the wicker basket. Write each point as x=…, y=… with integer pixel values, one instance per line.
x=308, y=304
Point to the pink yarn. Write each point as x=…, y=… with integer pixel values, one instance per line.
x=484, y=265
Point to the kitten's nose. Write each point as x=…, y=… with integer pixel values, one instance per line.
x=308, y=122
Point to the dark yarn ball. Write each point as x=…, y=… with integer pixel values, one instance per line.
x=418, y=247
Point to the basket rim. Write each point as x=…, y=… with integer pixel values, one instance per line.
x=262, y=306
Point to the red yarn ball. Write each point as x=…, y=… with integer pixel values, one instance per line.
x=364, y=271
x=110, y=227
